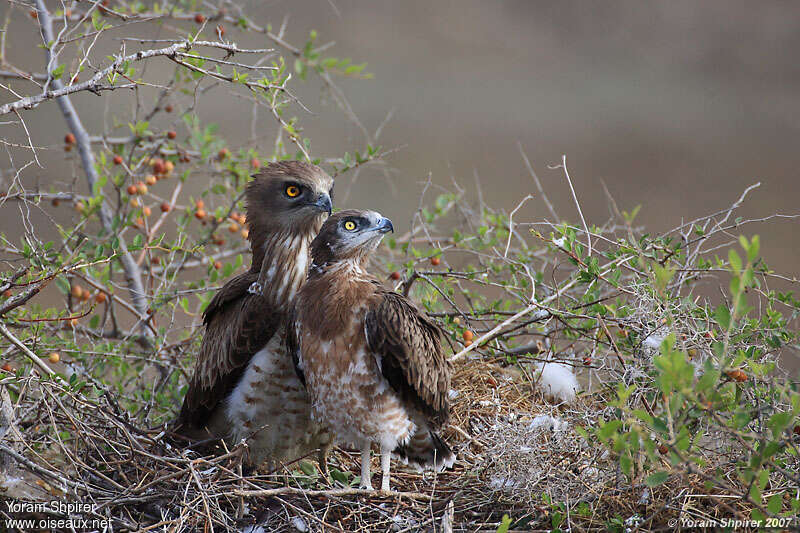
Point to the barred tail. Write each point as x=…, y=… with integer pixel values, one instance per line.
x=426, y=449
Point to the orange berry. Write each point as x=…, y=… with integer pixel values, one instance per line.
x=56, y=202
x=395, y=275
x=245, y=233
x=456, y=321
x=72, y=323
x=255, y=163
x=7, y=293
x=169, y=166
x=139, y=222
x=222, y=154
x=217, y=265
x=199, y=18
x=200, y=204
x=79, y=207
x=117, y=159
x=165, y=207
x=172, y=134
x=100, y=297
x=54, y=357
x=663, y=450
x=85, y=296
x=737, y=375
x=234, y=227
x=200, y=214
x=69, y=138
x=587, y=361
x=77, y=291
x=168, y=108
x=34, y=14
x=132, y=190
x=150, y=179
x=158, y=166
x=220, y=30
x=155, y=260
x=468, y=335
x=7, y=367
x=135, y=203
x=219, y=241
x=141, y=188
x=435, y=261
x=467, y=343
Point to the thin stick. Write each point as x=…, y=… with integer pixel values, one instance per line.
x=265, y=493
x=537, y=182
x=577, y=203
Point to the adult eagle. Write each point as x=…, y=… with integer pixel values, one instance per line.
x=244, y=383
x=372, y=361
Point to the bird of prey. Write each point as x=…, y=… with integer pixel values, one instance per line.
x=371, y=360
x=244, y=383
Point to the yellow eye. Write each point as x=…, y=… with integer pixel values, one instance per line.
x=292, y=191
x=349, y=225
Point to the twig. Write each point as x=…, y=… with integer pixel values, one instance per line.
x=266, y=493
x=577, y=203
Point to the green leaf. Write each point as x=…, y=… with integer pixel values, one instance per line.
x=657, y=478
x=723, y=316
x=735, y=260
x=505, y=524
x=778, y=422
x=752, y=251
x=307, y=468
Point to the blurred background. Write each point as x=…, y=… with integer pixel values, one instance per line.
x=677, y=106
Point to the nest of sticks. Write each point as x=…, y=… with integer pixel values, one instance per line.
x=517, y=454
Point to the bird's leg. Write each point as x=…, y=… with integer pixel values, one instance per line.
x=322, y=458
x=366, y=482
x=386, y=456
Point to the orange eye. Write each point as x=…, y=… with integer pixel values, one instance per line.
x=292, y=191
x=349, y=225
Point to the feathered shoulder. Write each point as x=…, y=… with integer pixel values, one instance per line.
x=412, y=360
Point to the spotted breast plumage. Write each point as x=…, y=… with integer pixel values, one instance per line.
x=244, y=385
x=371, y=360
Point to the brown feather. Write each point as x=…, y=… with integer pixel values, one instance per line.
x=412, y=359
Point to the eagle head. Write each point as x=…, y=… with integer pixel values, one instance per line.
x=349, y=235
x=288, y=197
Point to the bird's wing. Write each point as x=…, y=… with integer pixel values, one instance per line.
x=293, y=344
x=410, y=354
x=238, y=324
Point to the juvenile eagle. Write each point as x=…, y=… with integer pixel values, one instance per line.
x=244, y=383
x=371, y=360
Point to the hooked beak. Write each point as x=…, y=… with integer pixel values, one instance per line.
x=384, y=226
x=323, y=203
